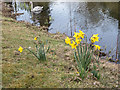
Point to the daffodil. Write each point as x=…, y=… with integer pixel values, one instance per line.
x=95, y=35
x=94, y=38
x=97, y=47
x=73, y=45
x=81, y=34
x=78, y=41
x=77, y=35
x=68, y=40
x=77, y=72
x=20, y=49
x=35, y=38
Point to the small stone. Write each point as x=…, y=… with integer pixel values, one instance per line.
x=67, y=58
x=96, y=83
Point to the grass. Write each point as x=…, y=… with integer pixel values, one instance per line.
x=23, y=70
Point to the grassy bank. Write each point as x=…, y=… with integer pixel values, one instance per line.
x=23, y=70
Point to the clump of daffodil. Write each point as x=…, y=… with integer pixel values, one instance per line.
x=68, y=40
x=97, y=47
x=20, y=49
x=94, y=38
x=41, y=49
x=82, y=53
x=35, y=38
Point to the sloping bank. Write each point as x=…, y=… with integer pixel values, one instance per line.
x=23, y=70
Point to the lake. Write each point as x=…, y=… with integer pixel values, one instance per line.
x=67, y=17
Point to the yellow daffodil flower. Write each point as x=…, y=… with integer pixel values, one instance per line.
x=73, y=45
x=35, y=38
x=94, y=38
x=20, y=49
x=95, y=35
x=81, y=34
x=77, y=35
x=68, y=40
x=77, y=72
x=97, y=47
x=78, y=41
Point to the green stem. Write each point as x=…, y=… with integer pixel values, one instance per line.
x=79, y=65
x=32, y=53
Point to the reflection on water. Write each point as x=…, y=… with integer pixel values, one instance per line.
x=42, y=18
x=119, y=45
x=91, y=18
x=28, y=16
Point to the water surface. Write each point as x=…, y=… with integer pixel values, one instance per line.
x=68, y=17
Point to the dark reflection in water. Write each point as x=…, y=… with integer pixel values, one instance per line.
x=109, y=8
x=91, y=18
x=42, y=18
